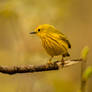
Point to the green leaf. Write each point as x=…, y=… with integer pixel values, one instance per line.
x=84, y=53
x=87, y=73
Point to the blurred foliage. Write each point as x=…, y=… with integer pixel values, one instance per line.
x=87, y=73
x=18, y=18
x=84, y=53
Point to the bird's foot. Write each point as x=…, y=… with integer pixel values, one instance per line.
x=49, y=63
x=62, y=62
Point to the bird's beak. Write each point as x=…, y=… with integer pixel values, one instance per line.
x=33, y=32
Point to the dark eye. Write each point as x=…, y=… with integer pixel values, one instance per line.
x=38, y=30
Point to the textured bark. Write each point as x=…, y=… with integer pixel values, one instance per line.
x=40, y=68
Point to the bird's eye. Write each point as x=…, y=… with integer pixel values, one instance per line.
x=38, y=30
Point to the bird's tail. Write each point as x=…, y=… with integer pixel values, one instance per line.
x=66, y=55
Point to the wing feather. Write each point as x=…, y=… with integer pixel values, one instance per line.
x=63, y=37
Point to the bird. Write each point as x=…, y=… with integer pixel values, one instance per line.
x=53, y=41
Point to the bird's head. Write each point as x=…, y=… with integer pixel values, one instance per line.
x=42, y=30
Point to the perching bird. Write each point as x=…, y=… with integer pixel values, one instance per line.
x=54, y=42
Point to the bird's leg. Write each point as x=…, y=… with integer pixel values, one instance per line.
x=49, y=62
x=62, y=61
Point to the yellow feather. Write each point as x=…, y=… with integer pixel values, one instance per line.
x=54, y=42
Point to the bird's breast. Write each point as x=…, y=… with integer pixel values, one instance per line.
x=53, y=46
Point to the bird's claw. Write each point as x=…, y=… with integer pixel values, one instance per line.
x=62, y=63
x=49, y=63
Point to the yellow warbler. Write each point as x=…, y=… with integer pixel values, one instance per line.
x=54, y=42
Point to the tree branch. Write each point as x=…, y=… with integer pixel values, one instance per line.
x=32, y=68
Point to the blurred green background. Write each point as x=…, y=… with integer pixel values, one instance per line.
x=17, y=47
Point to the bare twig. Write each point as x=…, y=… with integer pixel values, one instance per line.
x=32, y=68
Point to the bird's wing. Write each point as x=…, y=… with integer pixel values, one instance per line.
x=63, y=37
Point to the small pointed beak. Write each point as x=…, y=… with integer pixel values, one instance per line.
x=32, y=33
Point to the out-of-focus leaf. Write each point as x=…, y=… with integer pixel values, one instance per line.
x=84, y=52
x=87, y=73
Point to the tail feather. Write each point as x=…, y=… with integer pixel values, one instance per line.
x=67, y=54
